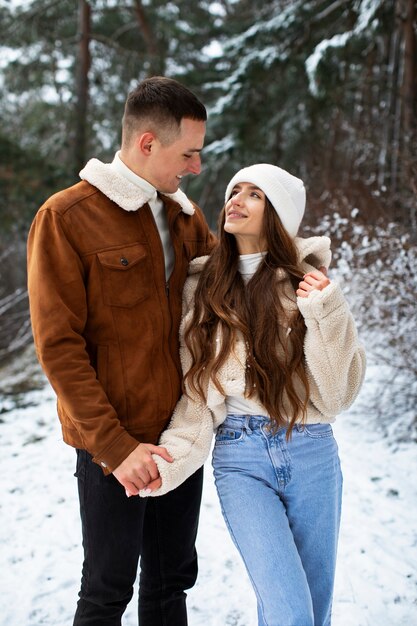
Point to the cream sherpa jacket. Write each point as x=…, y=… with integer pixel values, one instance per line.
x=335, y=368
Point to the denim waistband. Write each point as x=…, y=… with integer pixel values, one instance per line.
x=253, y=422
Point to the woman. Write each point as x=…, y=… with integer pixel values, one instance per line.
x=270, y=355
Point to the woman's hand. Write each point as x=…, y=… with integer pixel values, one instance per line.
x=311, y=281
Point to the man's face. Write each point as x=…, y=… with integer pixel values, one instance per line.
x=167, y=164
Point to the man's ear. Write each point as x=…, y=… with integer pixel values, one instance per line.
x=145, y=143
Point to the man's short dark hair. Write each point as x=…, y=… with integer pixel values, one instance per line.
x=161, y=103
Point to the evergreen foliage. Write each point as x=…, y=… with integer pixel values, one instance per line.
x=324, y=88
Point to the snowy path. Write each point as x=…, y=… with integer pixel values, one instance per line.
x=40, y=541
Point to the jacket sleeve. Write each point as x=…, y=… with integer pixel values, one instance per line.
x=189, y=434
x=335, y=359
x=188, y=439
x=58, y=308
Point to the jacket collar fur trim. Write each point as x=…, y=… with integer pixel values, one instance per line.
x=122, y=191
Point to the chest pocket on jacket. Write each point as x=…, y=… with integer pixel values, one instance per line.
x=126, y=275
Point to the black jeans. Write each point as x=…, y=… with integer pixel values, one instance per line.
x=117, y=531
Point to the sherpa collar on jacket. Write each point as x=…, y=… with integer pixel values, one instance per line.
x=313, y=253
x=122, y=191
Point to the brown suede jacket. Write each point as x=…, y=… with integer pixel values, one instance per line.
x=105, y=322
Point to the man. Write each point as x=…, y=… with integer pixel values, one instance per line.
x=107, y=259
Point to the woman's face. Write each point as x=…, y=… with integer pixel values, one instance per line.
x=244, y=214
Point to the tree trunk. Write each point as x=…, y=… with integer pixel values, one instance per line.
x=410, y=66
x=155, y=65
x=391, y=135
x=409, y=100
x=83, y=66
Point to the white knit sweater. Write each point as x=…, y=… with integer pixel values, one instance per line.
x=335, y=363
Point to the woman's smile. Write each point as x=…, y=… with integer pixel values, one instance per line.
x=234, y=214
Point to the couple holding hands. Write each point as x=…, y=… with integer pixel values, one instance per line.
x=158, y=336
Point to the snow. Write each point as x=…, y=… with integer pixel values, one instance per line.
x=312, y=62
x=366, y=20
x=40, y=531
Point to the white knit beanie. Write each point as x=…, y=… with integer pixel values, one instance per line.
x=285, y=192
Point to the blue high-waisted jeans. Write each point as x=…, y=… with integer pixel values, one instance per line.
x=281, y=502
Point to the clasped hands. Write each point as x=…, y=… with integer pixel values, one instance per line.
x=139, y=471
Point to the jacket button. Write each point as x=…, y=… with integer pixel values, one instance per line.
x=124, y=261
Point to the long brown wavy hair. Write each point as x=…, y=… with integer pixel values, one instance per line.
x=265, y=315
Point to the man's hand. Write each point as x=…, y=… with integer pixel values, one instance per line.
x=311, y=281
x=139, y=470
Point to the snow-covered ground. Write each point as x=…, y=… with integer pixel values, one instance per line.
x=40, y=533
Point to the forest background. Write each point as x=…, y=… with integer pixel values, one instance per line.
x=324, y=88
